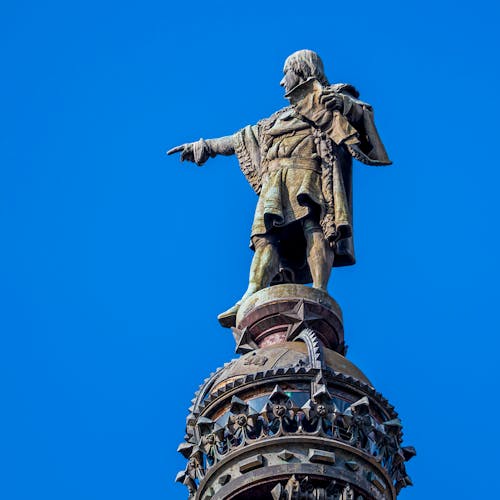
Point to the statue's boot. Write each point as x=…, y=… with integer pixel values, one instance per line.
x=227, y=319
x=265, y=264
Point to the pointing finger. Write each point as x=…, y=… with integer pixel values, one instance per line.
x=177, y=149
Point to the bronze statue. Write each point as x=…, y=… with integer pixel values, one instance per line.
x=299, y=162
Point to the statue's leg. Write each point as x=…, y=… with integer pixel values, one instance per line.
x=265, y=265
x=319, y=254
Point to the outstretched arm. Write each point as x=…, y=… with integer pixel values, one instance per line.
x=200, y=151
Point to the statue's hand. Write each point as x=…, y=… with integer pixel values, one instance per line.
x=332, y=100
x=197, y=152
x=186, y=151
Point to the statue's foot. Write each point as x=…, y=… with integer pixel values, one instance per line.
x=227, y=319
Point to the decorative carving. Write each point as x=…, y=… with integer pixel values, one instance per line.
x=286, y=455
x=321, y=457
x=352, y=465
x=314, y=348
x=376, y=481
x=193, y=473
x=304, y=488
x=224, y=479
x=391, y=455
x=243, y=423
x=252, y=463
x=387, y=438
x=361, y=424
x=212, y=440
x=398, y=468
x=256, y=360
x=302, y=318
x=280, y=416
x=244, y=341
x=203, y=399
x=321, y=414
x=278, y=492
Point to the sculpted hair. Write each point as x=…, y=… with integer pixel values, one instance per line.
x=307, y=64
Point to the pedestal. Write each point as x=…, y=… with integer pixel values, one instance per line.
x=292, y=418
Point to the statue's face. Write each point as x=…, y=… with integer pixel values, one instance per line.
x=290, y=79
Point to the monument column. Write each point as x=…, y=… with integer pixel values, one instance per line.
x=292, y=417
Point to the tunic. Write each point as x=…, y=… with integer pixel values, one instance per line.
x=291, y=185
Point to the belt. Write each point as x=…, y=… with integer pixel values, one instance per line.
x=301, y=163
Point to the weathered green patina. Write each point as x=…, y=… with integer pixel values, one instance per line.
x=299, y=162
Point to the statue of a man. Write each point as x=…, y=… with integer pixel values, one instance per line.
x=299, y=162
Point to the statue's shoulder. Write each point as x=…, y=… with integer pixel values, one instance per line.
x=280, y=114
x=344, y=88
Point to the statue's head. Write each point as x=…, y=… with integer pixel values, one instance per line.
x=300, y=66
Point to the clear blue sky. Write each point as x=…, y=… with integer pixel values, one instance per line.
x=115, y=260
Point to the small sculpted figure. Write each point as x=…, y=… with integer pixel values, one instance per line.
x=299, y=162
x=361, y=427
x=388, y=442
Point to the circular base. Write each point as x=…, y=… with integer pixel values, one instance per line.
x=278, y=313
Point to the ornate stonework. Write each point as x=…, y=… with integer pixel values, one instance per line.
x=293, y=418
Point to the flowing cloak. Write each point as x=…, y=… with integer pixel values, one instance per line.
x=294, y=182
